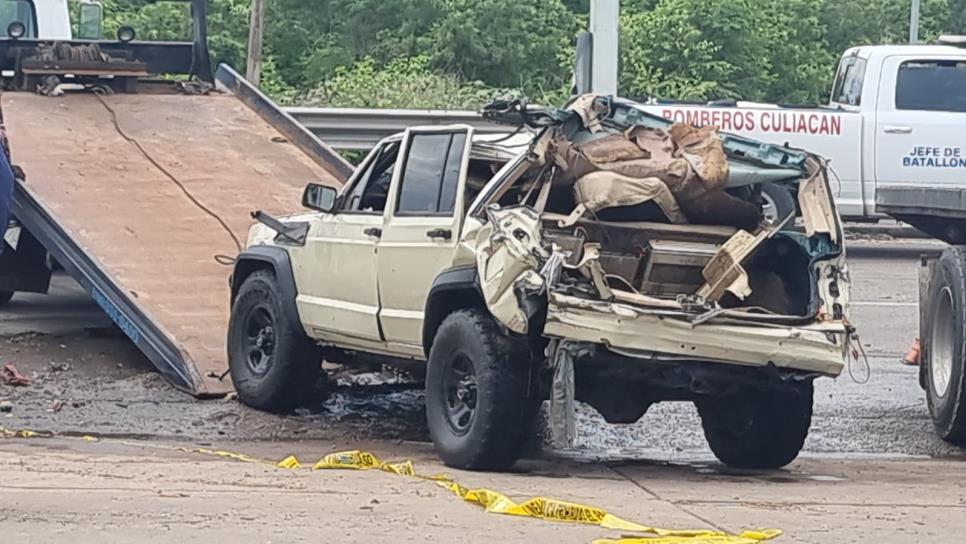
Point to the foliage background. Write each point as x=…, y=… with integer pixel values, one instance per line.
x=462, y=53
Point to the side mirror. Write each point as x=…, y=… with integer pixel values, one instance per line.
x=90, y=25
x=319, y=197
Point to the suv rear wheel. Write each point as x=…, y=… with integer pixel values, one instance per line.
x=754, y=429
x=274, y=365
x=477, y=403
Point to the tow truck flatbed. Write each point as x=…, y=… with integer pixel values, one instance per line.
x=136, y=195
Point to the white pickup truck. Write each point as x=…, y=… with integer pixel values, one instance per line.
x=896, y=117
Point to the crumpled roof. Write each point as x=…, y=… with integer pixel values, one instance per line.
x=690, y=162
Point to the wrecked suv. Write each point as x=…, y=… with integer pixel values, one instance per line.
x=600, y=255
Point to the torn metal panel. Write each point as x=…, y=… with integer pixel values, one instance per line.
x=590, y=110
x=563, y=354
x=815, y=200
x=816, y=348
x=599, y=190
x=725, y=273
x=592, y=268
x=509, y=252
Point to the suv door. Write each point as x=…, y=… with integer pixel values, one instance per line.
x=336, y=273
x=919, y=122
x=422, y=229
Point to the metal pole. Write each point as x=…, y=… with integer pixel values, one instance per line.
x=914, y=22
x=604, y=27
x=256, y=28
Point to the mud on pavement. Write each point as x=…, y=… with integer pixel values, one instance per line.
x=100, y=384
x=96, y=383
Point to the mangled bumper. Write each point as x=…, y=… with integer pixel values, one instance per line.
x=645, y=334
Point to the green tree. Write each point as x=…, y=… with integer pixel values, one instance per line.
x=956, y=23
x=705, y=49
x=353, y=51
x=800, y=61
x=309, y=40
x=506, y=43
x=407, y=82
x=869, y=22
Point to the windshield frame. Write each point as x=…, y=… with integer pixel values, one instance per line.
x=32, y=31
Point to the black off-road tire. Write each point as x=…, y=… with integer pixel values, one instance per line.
x=285, y=375
x=944, y=343
x=493, y=437
x=5, y=297
x=758, y=429
x=780, y=198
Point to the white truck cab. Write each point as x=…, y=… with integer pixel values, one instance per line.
x=50, y=19
x=896, y=116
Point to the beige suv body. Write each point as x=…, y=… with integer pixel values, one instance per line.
x=611, y=258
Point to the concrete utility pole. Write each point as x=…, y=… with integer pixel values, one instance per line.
x=914, y=22
x=256, y=28
x=605, y=32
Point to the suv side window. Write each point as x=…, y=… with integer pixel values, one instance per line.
x=847, y=88
x=371, y=191
x=931, y=85
x=431, y=174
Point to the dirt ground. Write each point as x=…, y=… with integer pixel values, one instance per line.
x=59, y=490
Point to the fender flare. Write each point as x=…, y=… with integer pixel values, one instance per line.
x=454, y=288
x=272, y=258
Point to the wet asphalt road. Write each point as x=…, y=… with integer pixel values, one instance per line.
x=877, y=410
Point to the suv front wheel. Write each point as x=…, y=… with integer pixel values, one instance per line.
x=477, y=404
x=754, y=429
x=274, y=365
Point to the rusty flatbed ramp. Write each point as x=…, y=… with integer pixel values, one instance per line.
x=147, y=190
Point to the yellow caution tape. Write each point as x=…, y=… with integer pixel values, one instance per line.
x=716, y=539
x=493, y=501
x=11, y=433
x=289, y=462
x=225, y=454
x=546, y=508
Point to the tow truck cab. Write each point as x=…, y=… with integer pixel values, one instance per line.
x=51, y=19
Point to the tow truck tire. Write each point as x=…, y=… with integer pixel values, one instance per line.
x=758, y=429
x=945, y=380
x=477, y=405
x=5, y=297
x=274, y=365
x=777, y=201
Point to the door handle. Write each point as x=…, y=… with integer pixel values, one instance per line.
x=893, y=129
x=375, y=232
x=445, y=234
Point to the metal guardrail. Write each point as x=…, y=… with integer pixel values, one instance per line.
x=359, y=129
